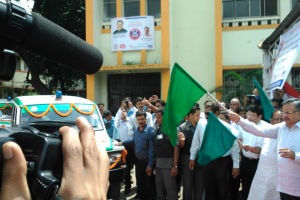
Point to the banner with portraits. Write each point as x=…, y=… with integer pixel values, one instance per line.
x=132, y=33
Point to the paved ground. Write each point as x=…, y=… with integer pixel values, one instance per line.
x=132, y=193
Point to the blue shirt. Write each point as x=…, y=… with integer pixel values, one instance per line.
x=110, y=126
x=143, y=142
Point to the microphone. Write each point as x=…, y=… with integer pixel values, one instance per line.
x=35, y=33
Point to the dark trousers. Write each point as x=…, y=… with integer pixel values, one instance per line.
x=145, y=183
x=129, y=166
x=234, y=182
x=284, y=196
x=216, y=180
x=179, y=175
x=165, y=184
x=248, y=169
x=191, y=180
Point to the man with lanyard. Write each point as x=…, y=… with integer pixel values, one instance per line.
x=166, y=168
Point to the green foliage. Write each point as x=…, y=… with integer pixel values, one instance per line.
x=71, y=16
x=25, y=91
x=238, y=84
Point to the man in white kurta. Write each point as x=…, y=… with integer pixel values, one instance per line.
x=263, y=186
x=288, y=146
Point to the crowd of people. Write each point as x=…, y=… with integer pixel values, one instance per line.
x=263, y=163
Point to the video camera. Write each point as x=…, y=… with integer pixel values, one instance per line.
x=43, y=153
x=20, y=28
x=23, y=29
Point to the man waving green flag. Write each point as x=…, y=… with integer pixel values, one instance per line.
x=183, y=93
x=217, y=140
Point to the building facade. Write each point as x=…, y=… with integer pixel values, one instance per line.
x=211, y=40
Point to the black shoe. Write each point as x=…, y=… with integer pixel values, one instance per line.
x=127, y=191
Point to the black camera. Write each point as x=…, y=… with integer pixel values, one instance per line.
x=43, y=153
x=250, y=96
x=126, y=101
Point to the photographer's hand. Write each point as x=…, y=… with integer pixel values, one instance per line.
x=14, y=182
x=85, y=167
x=123, y=105
x=86, y=163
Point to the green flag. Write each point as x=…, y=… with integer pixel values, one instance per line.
x=183, y=93
x=266, y=105
x=217, y=141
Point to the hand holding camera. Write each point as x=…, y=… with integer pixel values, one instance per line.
x=85, y=167
x=126, y=103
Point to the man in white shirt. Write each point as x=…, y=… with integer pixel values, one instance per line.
x=133, y=125
x=288, y=146
x=215, y=174
x=263, y=184
x=250, y=149
x=121, y=124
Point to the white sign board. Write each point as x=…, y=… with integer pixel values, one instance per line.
x=289, y=46
x=132, y=33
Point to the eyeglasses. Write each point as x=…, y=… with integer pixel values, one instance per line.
x=233, y=104
x=289, y=113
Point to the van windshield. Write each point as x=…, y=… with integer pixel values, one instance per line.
x=61, y=113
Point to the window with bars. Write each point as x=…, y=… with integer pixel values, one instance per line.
x=249, y=8
x=153, y=8
x=109, y=10
x=130, y=8
x=239, y=83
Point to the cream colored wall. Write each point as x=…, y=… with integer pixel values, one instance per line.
x=192, y=39
x=101, y=88
x=284, y=8
x=193, y=44
x=240, y=47
x=100, y=79
x=103, y=40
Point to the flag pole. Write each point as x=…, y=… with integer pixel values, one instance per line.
x=223, y=107
x=238, y=141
